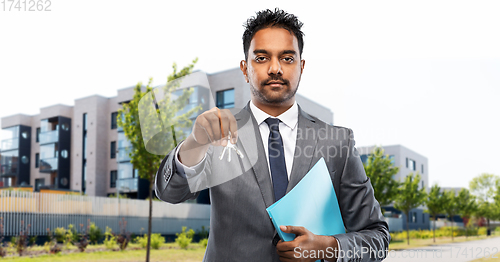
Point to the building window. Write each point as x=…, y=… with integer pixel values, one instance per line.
x=410, y=164
x=113, y=176
x=38, y=134
x=423, y=218
x=225, y=98
x=84, y=154
x=422, y=168
x=39, y=182
x=413, y=217
x=422, y=183
x=113, y=150
x=114, y=123
x=37, y=160
x=364, y=158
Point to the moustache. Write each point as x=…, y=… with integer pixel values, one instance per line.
x=275, y=78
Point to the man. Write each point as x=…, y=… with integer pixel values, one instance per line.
x=285, y=142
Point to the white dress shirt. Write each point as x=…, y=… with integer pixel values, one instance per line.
x=288, y=132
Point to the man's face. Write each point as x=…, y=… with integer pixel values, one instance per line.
x=274, y=67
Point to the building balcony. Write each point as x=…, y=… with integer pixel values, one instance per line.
x=123, y=154
x=8, y=170
x=9, y=144
x=48, y=165
x=49, y=137
x=127, y=185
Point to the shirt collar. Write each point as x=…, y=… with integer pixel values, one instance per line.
x=290, y=117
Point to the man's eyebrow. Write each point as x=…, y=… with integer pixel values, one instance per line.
x=263, y=51
x=260, y=51
x=291, y=52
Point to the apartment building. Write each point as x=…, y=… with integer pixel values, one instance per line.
x=81, y=148
x=408, y=162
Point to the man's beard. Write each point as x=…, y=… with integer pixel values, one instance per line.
x=264, y=94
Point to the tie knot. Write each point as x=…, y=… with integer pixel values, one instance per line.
x=273, y=123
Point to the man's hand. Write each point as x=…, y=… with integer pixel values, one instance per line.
x=211, y=127
x=306, y=246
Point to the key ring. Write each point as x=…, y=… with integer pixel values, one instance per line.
x=229, y=144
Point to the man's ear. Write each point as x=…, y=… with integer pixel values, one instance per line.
x=243, y=68
x=302, y=64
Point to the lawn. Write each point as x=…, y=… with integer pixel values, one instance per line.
x=169, y=252
x=414, y=243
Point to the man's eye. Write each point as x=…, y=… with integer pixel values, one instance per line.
x=260, y=59
x=288, y=59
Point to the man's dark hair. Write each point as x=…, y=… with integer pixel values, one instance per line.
x=268, y=18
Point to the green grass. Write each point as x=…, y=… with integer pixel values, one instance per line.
x=169, y=252
x=414, y=243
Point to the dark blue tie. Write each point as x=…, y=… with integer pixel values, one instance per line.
x=277, y=158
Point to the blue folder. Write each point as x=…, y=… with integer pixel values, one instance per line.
x=312, y=203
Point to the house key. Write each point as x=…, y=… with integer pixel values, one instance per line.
x=230, y=146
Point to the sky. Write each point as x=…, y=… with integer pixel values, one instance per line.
x=422, y=74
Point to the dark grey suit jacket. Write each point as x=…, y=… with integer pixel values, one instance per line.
x=240, y=228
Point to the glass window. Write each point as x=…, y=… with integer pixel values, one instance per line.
x=364, y=158
x=125, y=170
x=113, y=177
x=85, y=121
x=48, y=151
x=114, y=122
x=113, y=150
x=422, y=168
x=37, y=160
x=38, y=134
x=225, y=98
x=64, y=153
x=25, y=135
x=25, y=160
x=411, y=164
x=38, y=183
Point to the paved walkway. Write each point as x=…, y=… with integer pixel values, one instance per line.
x=456, y=252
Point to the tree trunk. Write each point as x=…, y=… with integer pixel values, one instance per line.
x=408, y=228
x=488, y=219
x=466, y=229
x=434, y=229
x=451, y=219
x=148, y=247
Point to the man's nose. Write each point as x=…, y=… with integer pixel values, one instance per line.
x=275, y=67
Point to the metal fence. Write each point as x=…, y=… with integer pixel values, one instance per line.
x=45, y=211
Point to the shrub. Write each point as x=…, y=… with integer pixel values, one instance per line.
x=95, y=233
x=124, y=237
x=3, y=251
x=109, y=239
x=156, y=241
x=204, y=242
x=21, y=242
x=482, y=231
x=184, y=238
x=203, y=233
x=60, y=234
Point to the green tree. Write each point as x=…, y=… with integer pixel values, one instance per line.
x=410, y=197
x=381, y=171
x=466, y=206
x=435, y=206
x=450, y=207
x=484, y=187
x=153, y=122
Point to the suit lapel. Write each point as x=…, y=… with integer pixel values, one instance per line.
x=304, y=149
x=251, y=143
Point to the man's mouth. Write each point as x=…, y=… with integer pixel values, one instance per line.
x=275, y=83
